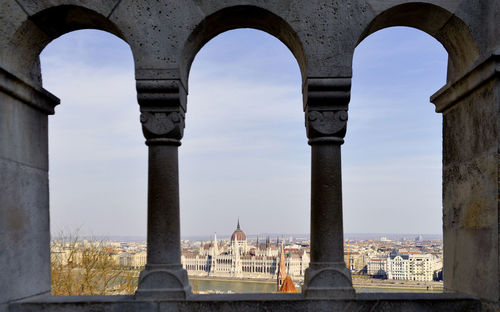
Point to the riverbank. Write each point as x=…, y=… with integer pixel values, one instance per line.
x=230, y=279
x=205, y=284
x=209, y=285
x=397, y=284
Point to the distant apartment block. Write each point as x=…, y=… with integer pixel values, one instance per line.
x=410, y=265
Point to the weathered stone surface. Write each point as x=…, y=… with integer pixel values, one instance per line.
x=24, y=231
x=471, y=127
x=155, y=31
x=11, y=17
x=37, y=98
x=164, y=37
x=110, y=303
x=13, y=20
x=325, y=32
x=24, y=276
x=245, y=302
x=24, y=133
x=25, y=265
x=25, y=200
x=104, y=7
x=470, y=193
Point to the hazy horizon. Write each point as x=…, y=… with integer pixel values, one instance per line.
x=272, y=236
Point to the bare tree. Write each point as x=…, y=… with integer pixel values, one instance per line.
x=88, y=268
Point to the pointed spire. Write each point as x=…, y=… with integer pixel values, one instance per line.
x=281, y=269
x=238, y=227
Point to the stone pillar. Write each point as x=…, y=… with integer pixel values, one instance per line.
x=325, y=104
x=471, y=180
x=24, y=189
x=162, y=117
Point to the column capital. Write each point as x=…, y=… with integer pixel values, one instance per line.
x=163, y=106
x=325, y=104
x=326, y=126
x=161, y=127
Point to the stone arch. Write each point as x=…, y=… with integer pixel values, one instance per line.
x=24, y=106
x=451, y=31
x=41, y=28
x=242, y=16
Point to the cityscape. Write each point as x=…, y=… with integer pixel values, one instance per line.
x=260, y=263
x=253, y=155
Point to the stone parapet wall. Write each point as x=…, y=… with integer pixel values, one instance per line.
x=262, y=302
x=164, y=37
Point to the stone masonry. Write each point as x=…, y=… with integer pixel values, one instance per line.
x=164, y=37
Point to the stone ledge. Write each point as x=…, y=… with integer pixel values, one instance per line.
x=261, y=302
x=39, y=99
x=484, y=70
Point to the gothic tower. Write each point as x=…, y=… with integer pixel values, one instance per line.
x=281, y=269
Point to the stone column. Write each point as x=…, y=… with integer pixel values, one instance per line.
x=325, y=104
x=162, y=117
x=24, y=188
x=471, y=180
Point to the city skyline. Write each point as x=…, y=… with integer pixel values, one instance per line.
x=416, y=263
x=240, y=158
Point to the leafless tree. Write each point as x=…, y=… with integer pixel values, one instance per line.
x=88, y=268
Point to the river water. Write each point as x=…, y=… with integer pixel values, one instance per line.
x=204, y=285
x=231, y=286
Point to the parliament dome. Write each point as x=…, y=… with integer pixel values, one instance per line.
x=238, y=234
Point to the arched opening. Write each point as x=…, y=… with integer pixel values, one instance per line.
x=44, y=26
x=392, y=162
x=26, y=108
x=243, y=156
x=447, y=28
x=98, y=165
x=242, y=16
x=471, y=178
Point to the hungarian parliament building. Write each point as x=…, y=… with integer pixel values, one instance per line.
x=238, y=259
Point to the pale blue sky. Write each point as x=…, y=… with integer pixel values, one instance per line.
x=245, y=152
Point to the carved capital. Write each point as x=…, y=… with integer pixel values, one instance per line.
x=161, y=94
x=163, y=105
x=163, y=127
x=326, y=102
x=327, y=125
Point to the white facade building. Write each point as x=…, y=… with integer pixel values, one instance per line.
x=407, y=265
x=377, y=267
